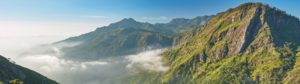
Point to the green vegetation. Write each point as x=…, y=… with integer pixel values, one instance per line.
x=16, y=81
x=293, y=76
x=252, y=43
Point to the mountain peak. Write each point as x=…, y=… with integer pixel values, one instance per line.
x=240, y=27
x=250, y=41
x=128, y=20
x=126, y=23
x=253, y=4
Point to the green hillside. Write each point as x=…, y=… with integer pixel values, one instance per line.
x=250, y=44
x=10, y=71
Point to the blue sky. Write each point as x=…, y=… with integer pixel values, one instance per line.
x=73, y=10
x=85, y=15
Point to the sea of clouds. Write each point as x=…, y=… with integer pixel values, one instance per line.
x=106, y=70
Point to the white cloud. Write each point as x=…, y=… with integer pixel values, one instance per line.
x=53, y=65
x=149, y=60
x=66, y=71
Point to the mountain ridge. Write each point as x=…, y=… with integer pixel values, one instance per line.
x=252, y=43
x=125, y=37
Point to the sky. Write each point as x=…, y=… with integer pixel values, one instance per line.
x=74, y=17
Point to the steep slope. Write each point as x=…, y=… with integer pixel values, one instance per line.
x=126, y=37
x=293, y=76
x=253, y=43
x=10, y=71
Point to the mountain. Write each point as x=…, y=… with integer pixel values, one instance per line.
x=126, y=37
x=10, y=71
x=252, y=43
x=181, y=24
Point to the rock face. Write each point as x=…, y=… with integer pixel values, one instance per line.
x=10, y=71
x=126, y=37
x=252, y=43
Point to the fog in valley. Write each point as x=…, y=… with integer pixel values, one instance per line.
x=26, y=52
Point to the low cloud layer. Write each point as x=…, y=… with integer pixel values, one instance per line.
x=100, y=71
x=149, y=60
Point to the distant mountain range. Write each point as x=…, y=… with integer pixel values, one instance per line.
x=250, y=44
x=10, y=71
x=127, y=37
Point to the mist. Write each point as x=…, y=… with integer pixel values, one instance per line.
x=65, y=71
x=12, y=46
